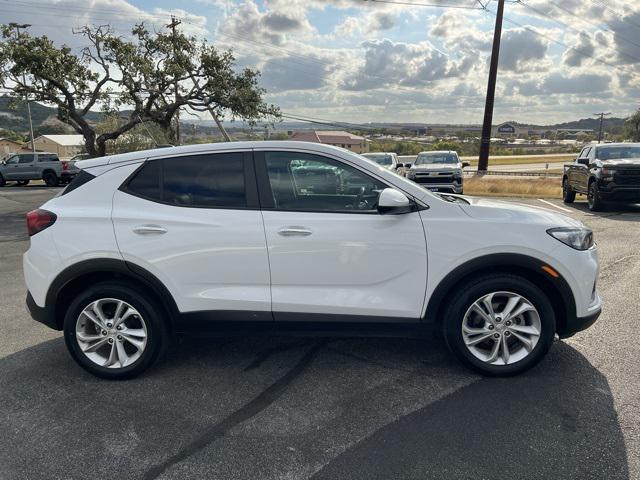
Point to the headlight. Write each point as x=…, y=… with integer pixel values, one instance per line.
x=608, y=173
x=578, y=238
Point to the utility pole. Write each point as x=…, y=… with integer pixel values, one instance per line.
x=485, y=142
x=174, y=23
x=24, y=81
x=601, y=115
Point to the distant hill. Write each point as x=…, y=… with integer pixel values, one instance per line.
x=17, y=121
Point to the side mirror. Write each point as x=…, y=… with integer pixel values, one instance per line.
x=399, y=166
x=393, y=202
x=466, y=164
x=408, y=165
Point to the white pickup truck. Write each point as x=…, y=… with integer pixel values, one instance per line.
x=24, y=167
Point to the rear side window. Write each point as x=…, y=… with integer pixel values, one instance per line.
x=48, y=158
x=26, y=158
x=79, y=180
x=215, y=180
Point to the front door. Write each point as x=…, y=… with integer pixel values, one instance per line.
x=194, y=222
x=332, y=255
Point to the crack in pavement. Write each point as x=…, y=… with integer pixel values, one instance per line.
x=265, y=354
x=255, y=406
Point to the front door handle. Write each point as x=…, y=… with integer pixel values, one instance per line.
x=149, y=230
x=294, y=232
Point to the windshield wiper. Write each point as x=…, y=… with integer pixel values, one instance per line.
x=453, y=199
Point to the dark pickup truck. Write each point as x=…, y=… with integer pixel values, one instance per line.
x=604, y=172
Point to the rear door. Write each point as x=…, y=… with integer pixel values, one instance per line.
x=332, y=255
x=193, y=221
x=26, y=167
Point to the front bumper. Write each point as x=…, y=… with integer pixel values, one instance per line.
x=44, y=315
x=577, y=324
x=620, y=193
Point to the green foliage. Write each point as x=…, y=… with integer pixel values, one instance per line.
x=632, y=126
x=152, y=76
x=447, y=145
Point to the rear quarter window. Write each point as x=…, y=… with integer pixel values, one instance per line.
x=79, y=180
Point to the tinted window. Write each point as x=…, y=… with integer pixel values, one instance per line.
x=215, y=180
x=26, y=158
x=313, y=183
x=79, y=180
x=48, y=158
x=146, y=183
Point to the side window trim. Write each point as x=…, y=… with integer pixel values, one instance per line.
x=251, y=190
x=266, y=194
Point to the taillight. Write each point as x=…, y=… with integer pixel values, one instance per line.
x=38, y=220
x=65, y=165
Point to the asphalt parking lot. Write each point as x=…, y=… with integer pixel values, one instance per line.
x=294, y=408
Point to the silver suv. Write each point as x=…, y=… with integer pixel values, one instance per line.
x=438, y=171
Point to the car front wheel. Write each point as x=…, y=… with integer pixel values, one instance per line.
x=114, y=331
x=499, y=325
x=568, y=195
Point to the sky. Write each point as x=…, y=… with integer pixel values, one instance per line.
x=387, y=61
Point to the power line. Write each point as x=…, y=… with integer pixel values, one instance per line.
x=623, y=17
x=580, y=32
x=551, y=39
x=420, y=4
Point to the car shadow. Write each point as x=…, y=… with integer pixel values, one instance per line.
x=556, y=421
x=613, y=211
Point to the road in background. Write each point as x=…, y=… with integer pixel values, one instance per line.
x=274, y=408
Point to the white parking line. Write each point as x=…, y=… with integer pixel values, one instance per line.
x=554, y=205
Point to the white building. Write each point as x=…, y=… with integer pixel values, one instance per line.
x=66, y=146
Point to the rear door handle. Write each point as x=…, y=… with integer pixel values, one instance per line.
x=294, y=232
x=149, y=230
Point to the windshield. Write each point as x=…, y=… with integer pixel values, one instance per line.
x=436, y=158
x=380, y=158
x=618, y=152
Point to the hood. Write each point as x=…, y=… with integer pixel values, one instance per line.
x=436, y=166
x=486, y=209
x=622, y=162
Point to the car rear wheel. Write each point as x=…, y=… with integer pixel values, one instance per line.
x=568, y=195
x=114, y=331
x=22, y=183
x=593, y=197
x=51, y=179
x=499, y=325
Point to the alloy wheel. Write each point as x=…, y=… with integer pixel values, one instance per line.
x=501, y=328
x=111, y=333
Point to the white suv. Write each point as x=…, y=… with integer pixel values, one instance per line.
x=297, y=237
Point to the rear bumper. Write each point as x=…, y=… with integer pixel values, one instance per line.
x=44, y=315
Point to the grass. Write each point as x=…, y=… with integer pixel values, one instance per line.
x=513, y=187
x=520, y=160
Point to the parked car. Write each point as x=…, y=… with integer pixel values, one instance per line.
x=604, y=172
x=388, y=160
x=438, y=171
x=143, y=246
x=24, y=167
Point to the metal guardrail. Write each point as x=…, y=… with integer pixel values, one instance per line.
x=515, y=174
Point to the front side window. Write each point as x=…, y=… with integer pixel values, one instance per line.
x=26, y=158
x=214, y=181
x=13, y=160
x=306, y=182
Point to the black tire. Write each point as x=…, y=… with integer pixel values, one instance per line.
x=154, y=319
x=2, y=181
x=22, y=183
x=568, y=195
x=51, y=179
x=476, y=288
x=594, y=201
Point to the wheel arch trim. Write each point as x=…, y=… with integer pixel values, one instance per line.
x=564, y=301
x=109, y=266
